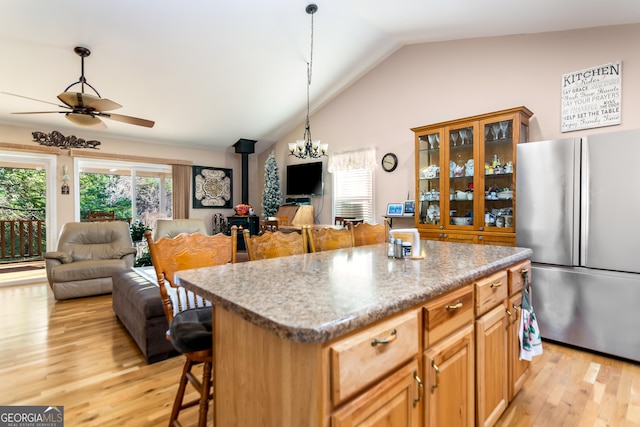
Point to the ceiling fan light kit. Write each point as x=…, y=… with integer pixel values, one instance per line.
x=84, y=109
x=85, y=120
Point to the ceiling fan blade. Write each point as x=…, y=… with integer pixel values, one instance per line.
x=34, y=99
x=128, y=119
x=78, y=99
x=85, y=120
x=39, y=112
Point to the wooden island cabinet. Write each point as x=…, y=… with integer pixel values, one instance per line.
x=353, y=338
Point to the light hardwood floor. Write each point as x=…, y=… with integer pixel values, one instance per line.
x=76, y=354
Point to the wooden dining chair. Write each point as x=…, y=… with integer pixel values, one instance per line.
x=369, y=234
x=101, y=216
x=328, y=238
x=189, y=316
x=274, y=244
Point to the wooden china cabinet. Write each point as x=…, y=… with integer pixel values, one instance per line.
x=465, y=177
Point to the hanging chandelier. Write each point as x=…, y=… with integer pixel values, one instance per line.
x=306, y=147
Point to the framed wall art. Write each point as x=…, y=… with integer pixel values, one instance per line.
x=212, y=187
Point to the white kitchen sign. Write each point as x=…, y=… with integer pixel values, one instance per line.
x=592, y=98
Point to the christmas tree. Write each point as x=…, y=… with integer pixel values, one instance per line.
x=271, y=195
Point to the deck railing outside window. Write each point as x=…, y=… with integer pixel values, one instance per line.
x=21, y=240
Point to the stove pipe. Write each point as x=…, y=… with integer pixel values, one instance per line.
x=245, y=147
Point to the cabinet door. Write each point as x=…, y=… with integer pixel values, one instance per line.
x=429, y=185
x=519, y=370
x=395, y=401
x=449, y=379
x=498, y=167
x=460, y=162
x=491, y=362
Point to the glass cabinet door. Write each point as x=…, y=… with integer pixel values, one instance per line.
x=429, y=164
x=498, y=174
x=461, y=169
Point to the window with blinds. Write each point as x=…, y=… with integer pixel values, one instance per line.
x=353, y=194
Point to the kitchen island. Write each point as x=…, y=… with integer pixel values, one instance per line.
x=288, y=332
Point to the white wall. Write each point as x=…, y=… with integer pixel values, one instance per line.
x=433, y=82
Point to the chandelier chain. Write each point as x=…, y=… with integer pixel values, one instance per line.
x=307, y=126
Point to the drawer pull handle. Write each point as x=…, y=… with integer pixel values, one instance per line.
x=456, y=306
x=437, y=384
x=420, y=387
x=391, y=338
x=496, y=284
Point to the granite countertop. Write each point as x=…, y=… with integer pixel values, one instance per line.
x=317, y=297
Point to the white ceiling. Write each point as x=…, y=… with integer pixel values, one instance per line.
x=212, y=72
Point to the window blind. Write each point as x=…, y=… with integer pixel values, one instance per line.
x=353, y=193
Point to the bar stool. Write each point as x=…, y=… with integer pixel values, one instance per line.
x=190, y=317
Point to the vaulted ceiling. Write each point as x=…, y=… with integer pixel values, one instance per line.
x=211, y=72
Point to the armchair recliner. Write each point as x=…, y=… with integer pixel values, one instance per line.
x=88, y=254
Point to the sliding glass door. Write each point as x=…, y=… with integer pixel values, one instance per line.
x=27, y=205
x=133, y=191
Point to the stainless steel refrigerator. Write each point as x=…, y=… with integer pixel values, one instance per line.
x=578, y=208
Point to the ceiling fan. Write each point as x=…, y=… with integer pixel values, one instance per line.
x=84, y=109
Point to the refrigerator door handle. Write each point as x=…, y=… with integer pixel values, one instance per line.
x=580, y=207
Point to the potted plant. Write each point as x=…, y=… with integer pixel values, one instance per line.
x=143, y=258
x=137, y=231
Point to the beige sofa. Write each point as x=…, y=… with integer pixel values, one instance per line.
x=88, y=254
x=136, y=298
x=172, y=227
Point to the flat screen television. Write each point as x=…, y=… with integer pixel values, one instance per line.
x=304, y=179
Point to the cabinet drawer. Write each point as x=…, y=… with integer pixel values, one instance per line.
x=367, y=356
x=491, y=291
x=515, y=276
x=447, y=313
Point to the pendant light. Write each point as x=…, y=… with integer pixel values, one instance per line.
x=306, y=147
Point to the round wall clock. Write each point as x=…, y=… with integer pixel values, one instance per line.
x=389, y=162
